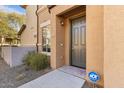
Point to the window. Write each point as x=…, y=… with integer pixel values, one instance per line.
x=46, y=42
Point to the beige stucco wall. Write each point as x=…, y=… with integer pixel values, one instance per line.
x=114, y=46
x=43, y=14
x=58, y=36
x=95, y=40
x=28, y=37
x=105, y=46
x=67, y=30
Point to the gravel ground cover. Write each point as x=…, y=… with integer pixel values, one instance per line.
x=16, y=76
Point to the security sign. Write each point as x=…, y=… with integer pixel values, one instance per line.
x=94, y=77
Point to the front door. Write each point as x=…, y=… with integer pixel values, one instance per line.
x=78, y=45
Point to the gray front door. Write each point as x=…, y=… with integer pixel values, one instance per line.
x=78, y=51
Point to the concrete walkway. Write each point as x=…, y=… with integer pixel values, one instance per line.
x=78, y=72
x=56, y=79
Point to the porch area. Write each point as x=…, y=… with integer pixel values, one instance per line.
x=63, y=77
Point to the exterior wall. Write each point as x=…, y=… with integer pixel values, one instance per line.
x=28, y=37
x=18, y=54
x=95, y=40
x=40, y=6
x=43, y=16
x=67, y=41
x=114, y=46
x=14, y=55
x=58, y=36
x=6, y=54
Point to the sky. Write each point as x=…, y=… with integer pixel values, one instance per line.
x=12, y=8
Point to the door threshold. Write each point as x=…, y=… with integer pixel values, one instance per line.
x=79, y=67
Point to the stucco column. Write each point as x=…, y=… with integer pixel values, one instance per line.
x=95, y=41
x=57, y=42
x=114, y=46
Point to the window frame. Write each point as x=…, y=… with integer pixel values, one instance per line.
x=46, y=23
x=42, y=29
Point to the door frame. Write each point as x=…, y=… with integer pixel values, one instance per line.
x=70, y=53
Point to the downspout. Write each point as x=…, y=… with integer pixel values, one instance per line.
x=37, y=30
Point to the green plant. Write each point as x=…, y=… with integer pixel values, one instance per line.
x=27, y=58
x=36, y=61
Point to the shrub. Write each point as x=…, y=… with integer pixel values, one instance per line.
x=36, y=61
x=27, y=58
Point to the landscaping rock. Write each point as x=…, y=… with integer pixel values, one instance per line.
x=20, y=76
x=17, y=76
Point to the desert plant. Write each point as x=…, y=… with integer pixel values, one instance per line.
x=28, y=57
x=36, y=61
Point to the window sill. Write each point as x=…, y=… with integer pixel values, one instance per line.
x=47, y=53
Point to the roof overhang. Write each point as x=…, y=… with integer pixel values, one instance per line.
x=24, y=6
x=50, y=6
x=22, y=29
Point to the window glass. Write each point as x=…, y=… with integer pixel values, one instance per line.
x=46, y=42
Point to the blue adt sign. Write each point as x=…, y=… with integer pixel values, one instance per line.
x=94, y=77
